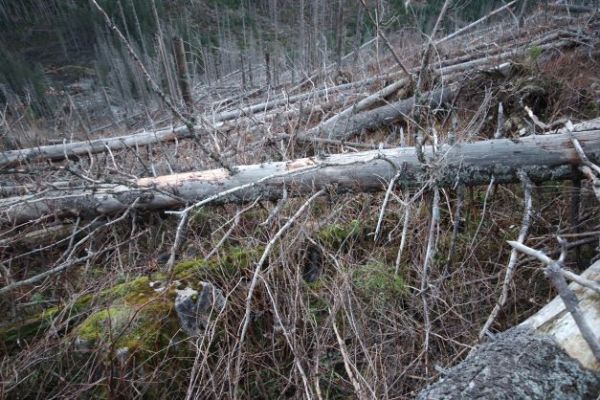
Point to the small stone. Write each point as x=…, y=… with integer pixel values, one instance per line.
x=122, y=354
x=195, y=309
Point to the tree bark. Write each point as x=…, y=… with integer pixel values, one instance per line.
x=362, y=105
x=572, y=8
x=548, y=157
x=67, y=150
x=350, y=124
x=183, y=75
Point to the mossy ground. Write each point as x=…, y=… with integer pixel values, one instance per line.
x=335, y=235
x=379, y=283
x=132, y=314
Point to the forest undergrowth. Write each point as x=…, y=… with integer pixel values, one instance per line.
x=341, y=295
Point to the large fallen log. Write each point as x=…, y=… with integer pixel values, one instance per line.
x=545, y=357
x=548, y=157
x=67, y=150
x=349, y=124
x=340, y=127
x=362, y=105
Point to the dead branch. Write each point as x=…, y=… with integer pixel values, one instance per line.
x=512, y=262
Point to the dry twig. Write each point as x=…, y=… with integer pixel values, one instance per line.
x=512, y=262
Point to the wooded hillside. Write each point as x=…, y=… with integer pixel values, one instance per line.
x=300, y=200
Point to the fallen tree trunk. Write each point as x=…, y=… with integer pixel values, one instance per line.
x=549, y=157
x=572, y=8
x=545, y=357
x=66, y=150
x=285, y=100
x=339, y=127
x=362, y=105
x=349, y=124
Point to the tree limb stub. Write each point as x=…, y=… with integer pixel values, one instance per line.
x=548, y=157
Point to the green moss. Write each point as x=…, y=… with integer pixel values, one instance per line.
x=378, y=283
x=31, y=326
x=237, y=257
x=186, y=267
x=138, y=327
x=535, y=52
x=337, y=234
x=230, y=260
x=104, y=322
x=137, y=315
x=132, y=287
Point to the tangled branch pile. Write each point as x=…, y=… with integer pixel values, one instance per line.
x=342, y=236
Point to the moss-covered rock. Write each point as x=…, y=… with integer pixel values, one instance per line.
x=137, y=313
x=132, y=315
x=142, y=315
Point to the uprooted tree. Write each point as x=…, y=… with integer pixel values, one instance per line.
x=261, y=251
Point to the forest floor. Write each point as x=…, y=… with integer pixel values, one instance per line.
x=340, y=295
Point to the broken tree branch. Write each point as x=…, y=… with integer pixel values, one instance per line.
x=512, y=262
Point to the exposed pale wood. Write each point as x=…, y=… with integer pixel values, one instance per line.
x=554, y=320
x=548, y=157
